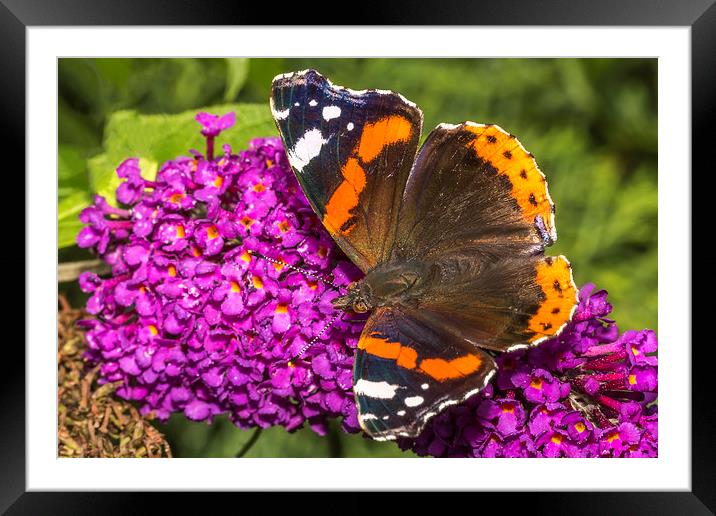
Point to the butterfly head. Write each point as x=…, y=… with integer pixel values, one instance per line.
x=359, y=298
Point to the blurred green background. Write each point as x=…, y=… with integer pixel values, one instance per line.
x=591, y=124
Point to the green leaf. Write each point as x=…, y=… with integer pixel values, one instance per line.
x=68, y=225
x=237, y=70
x=75, y=128
x=158, y=138
x=173, y=85
x=71, y=171
x=115, y=71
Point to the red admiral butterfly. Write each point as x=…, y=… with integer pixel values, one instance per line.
x=450, y=237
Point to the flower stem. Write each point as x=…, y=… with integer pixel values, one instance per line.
x=209, y=148
x=250, y=443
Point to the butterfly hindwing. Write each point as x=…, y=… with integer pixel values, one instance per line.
x=508, y=304
x=352, y=153
x=406, y=372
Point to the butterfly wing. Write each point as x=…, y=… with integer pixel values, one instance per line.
x=474, y=189
x=352, y=153
x=406, y=372
x=511, y=303
x=476, y=206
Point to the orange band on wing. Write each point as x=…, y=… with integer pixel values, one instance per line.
x=374, y=139
x=507, y=155
x=406, y=357
x=441, y=369
x=554, y=276
x=379, y=347
x=345, y=198
x=380, y=134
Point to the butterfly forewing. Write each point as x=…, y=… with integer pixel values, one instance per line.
x=352, y=153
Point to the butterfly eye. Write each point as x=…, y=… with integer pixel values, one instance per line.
x=360, y=307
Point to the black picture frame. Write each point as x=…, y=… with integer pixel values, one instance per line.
x=700, y=15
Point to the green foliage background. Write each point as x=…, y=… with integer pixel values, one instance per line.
x=591, y=123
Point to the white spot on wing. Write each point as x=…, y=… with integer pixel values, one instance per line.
x=424, y=386
x=414, y=401
x=307, y=147
x=331, y=112
x=278, y=115
x=313, y=103
x=401, y=412
x=382, y=390
x=350, y=126
x=368, y=417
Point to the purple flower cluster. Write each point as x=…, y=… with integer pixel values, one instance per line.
x=190, y=320
x=204, y=311
x=588, y=392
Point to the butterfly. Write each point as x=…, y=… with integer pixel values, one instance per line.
x=450, y=237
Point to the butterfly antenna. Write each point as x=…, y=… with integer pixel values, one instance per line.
x=311, y=342
x=305, y=272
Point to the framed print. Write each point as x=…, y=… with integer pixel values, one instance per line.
x=280, y=265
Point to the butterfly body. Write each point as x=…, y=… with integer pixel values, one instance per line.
x=401, y=283
x=450, y=236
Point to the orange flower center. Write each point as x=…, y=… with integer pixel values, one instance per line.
x=536, y=383
x=153, y=329
x=176, y=198
x=278, y=265
x=579, y=427
x=258, y=283
x=282, y=308
x=235, y=287
x=245, y=256
x=218, y=181
x=284, y=226
x=180, y=231
x=212, y=232
x=556, y=439
x=632, y=379
x=258, y=187
x=172, y=271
